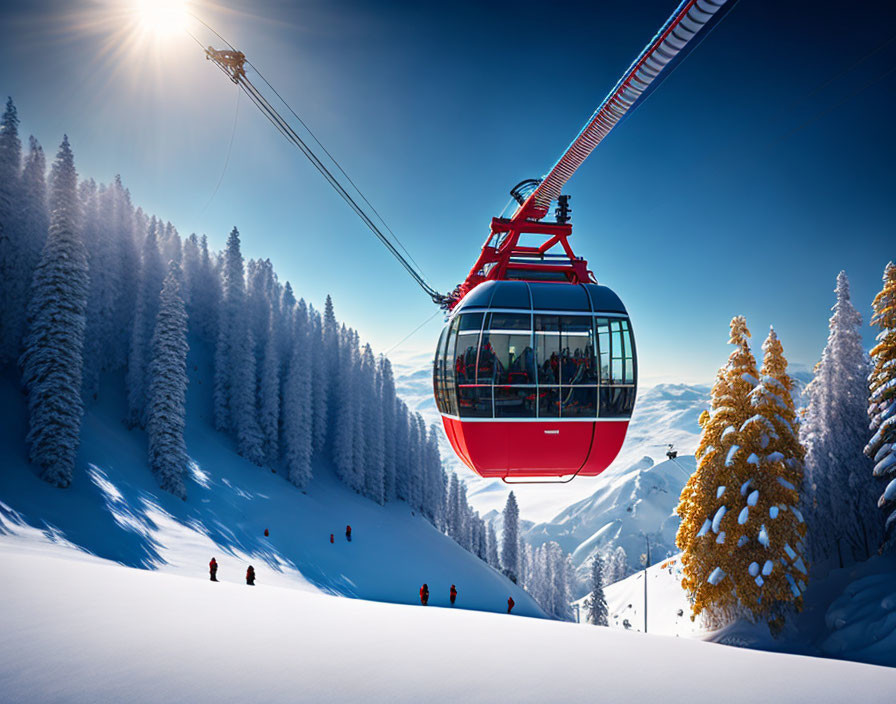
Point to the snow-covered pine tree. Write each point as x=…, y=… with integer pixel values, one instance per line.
x=617, y=565
x=12, y=246
x=374, y=444
x=343, y=408
x=34, y=221
x=190, y=270
x=230, y=316
x=510, y=542
x=596, y=604
x=297, y=410
x=386, y=393
x=167, y=388
x=332, y=373
x=402, y=451
x=770, y=527
x=709, y=501
x=120, y=293
x=269, y=393
x=492, y=546
x=453, y=508
x=149, y=286
x=882, y=401
x=51, y=360
x=243, y=409
x=437, y=480
x=839, y=494
x=320, y=385
x=205, y=295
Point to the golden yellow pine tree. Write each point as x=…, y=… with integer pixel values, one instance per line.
x=707, y=534
x=882, y=387
x=771, y=573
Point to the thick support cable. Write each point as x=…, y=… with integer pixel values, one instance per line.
x=237, y=74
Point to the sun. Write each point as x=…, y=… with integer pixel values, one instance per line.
x=161, y=18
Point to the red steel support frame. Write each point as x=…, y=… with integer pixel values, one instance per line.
x=503, y=245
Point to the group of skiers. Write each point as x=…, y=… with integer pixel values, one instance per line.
x=424, y=590
x=452, y=596
x=213, y=572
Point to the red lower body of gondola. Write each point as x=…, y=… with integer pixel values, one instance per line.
x=536, y=450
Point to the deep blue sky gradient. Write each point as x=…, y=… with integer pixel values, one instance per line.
x=761, y=168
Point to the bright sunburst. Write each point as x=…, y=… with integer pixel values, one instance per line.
x=161, y=18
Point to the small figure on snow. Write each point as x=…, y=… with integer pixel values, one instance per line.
x=453, y=594
x=266, y=533
x=213, y=570
x=348, y=533
x=332, y=540
x=510, y=604
x=250, y=576
x=424, y=594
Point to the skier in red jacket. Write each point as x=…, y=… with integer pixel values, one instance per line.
x=453, y=594
x=348, y=533
x=213, y=570
x=510, y=604
x=250, y=576
x=424, y=595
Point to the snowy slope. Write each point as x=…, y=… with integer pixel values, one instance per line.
x=89, y=631
x=848, y=614
x=115, y=510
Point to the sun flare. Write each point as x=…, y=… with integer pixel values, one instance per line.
x=161, y=18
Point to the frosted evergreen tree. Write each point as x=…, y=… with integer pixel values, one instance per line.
x=297, y=409
x=881, y=448
x=524, y=564
x=402, y=450
x=231, y=319
x=437, y=480
x=320, y=383
x=618, y=565
x=190, y=269
x=492, y=546
x=510, y=542
x=120, y=294
x=149, y=286
x=167, y=392
x=12, y=245
x=374, y=466
x=596, y=605
x=453, y=508
x=52, y=359
x=34, y=221
x=243, y=411
x=269, y=394
x=332, y=377
x=388, y=408
x=205, y=294
x=839, y=494
x=344, y=408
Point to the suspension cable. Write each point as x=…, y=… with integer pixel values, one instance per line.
x=233, y=69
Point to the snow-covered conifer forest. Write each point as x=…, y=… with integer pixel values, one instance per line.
x=95, y=288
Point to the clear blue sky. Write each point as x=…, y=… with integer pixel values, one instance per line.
x=761, y=168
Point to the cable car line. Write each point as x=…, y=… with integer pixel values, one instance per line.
x=535, y=373
x=232, y=63
x=236, y=114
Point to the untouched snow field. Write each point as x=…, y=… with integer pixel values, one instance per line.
x=80, y=629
